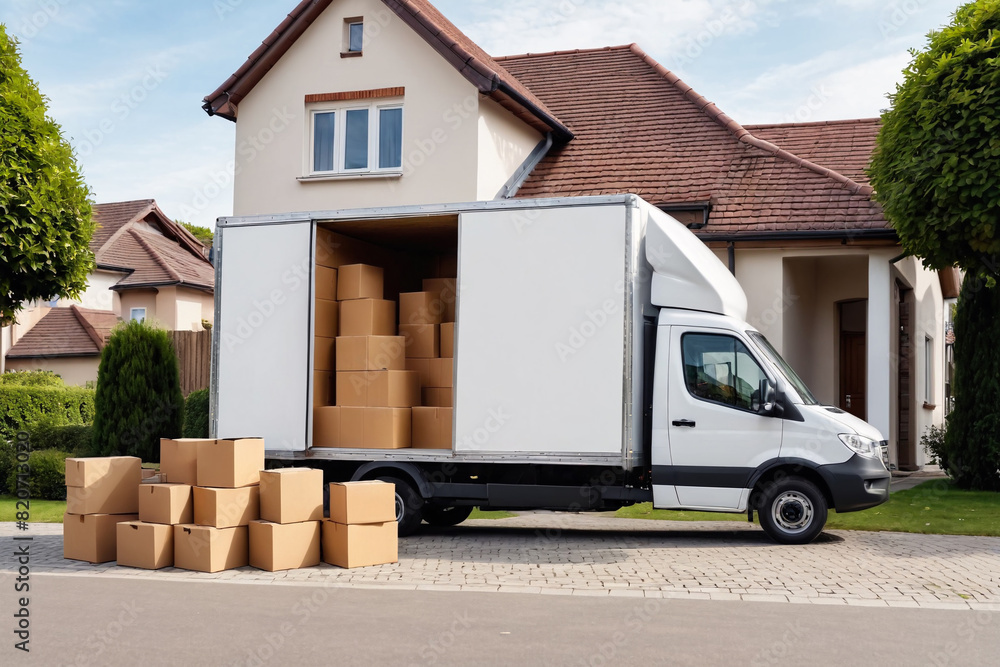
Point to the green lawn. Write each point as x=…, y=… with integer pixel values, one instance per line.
x=480, y=514
x=935, y=507
x=42, y=511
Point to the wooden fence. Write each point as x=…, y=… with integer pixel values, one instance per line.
x=194, y=356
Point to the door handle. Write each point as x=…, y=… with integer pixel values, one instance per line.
x=684, y=422
x=848, y=401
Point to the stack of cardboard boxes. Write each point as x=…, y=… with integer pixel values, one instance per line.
x=427, y=315
x=325, y=334
x=287, y=536
x=100, y=494
x=361, y=530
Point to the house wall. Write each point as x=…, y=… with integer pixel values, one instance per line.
x=73, y=370
x=504, y=144
x=139, y=299
x=98, y=294
x=440, y=120
x=190, y=308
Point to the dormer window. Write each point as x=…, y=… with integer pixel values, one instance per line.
x=354, y=37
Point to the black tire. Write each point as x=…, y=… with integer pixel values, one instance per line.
x=409, y=506
x=792, y=510
x=443, y=517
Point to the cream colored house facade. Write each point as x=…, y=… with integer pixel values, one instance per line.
x=825, y=282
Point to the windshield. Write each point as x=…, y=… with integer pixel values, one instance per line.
x=790, y=375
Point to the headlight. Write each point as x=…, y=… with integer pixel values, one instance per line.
x=862, y=445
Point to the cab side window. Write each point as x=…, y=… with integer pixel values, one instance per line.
x=720, y=369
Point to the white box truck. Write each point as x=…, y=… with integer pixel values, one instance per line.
x=601, y=359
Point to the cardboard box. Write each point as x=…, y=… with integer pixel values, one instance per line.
x=327, y=318
x=147, y=473
x=370, y=501
x=275, y=546
x=421, y=308
x=352, y=427
x=92, y=537
x=371, y=353
x=166, y=503
x=448, y=340
x=441, y=373
x=378, y=389
x=226, y=508
x=158, y=478
x=387, y=428
x=146, y=545
x=445, y=290
x=360, y=545
x=323, y=388
x=207, y=549
x=326, y=283
x=179, y=459
x=329, y=251
x=437, y=397
x=423, y=341
x=291, y=495
x=230, y=463
x=432, y=427
x=359, y=281
x=103, y=485
x=368, y=317
x=326, y=426
x=324, y=353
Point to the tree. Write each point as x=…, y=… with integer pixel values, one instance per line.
x=139, y=396
x=935, y=173
x=203, y=234
x=45, y=214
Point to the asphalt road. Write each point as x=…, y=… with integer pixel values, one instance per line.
x=107, y=622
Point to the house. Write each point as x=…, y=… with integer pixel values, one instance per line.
x=147, y=267
x=359, y=103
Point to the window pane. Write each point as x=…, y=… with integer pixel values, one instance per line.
x=720, y=369
x=356, y=141
x=323, y=135
x=357, y=36
x=390, y=138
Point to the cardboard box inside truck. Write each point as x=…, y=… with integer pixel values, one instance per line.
x=432, y=427
x=324, y=353
x=387, y=428
x=291, y=495
x=433, y=372
x=378, y=389
x=226, y=508
x=327, y=318
x=445, y=290
x=326, y=283
x=103, y=485
x=166, y=503
x=208, y=549
x=420, y=308
x=448, y=340
x=423, y=341
x=179, y=459
x=367, y=317
x=323, y=388
x=275, y=546
x=230, y=463
x=149, y=546
x=362, y=502
x=371, y=353
x=92, y=537
x=359, y=281
x=360, y=545
x=440, y=397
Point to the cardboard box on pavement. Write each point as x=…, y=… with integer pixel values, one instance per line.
x=166, y=503
x=147, y=473
x=362, y=502
x=360, y=545
x=226, y=508
x=92, y=537
x=276, y=546
x=359, y=281
x=179, y=459
x=145, y=545
x=103, y=485
x=432, y=427
x=230, y=463
x=208, y=549
x=291, y=495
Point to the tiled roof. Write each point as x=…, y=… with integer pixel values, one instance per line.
x=66, y=332
x=441, y=34
x=156, y=260
x=112, y=217
x=639, y=129
x=846, y=146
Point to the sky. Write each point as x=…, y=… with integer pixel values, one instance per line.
x=125, y=78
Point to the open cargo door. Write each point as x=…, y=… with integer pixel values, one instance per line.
x=263, y=324
x=539, y=351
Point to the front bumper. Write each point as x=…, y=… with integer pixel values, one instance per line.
x=857, y=484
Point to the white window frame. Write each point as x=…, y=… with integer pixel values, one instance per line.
x=340, y=145
x=132, y=312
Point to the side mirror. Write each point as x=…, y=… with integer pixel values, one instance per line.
x=767, y=393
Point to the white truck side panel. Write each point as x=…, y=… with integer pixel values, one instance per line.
x=540, y=357
x=263, y=332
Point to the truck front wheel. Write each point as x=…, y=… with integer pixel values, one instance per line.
x=792, y=511
x=443, y=517
x=409, y=506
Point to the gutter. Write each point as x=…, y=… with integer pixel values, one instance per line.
x=870, y=234
x=515, y=182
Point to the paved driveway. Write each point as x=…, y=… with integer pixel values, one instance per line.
x=567, y=554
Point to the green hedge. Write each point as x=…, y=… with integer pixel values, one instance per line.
x=47, y=479
x=31, y=379
x=75, y=439
x=22, y=406
x=196, y=414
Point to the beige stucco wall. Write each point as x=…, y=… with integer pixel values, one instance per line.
x=138, y=299
x=504, y=144
x=98, y=294
x=73, y=370
x=440, y=120
x=190, y=307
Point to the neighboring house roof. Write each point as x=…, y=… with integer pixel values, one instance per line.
x=66, y=332
x=488, y=76
x=123, y=242
x=846, y=146
x=640, y=129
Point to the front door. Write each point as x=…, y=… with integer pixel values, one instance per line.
x=717, y=439
x=853, y=362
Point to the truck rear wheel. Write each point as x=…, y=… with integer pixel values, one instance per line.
x=792, y=511
x=446, y=516
x=409, y=506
